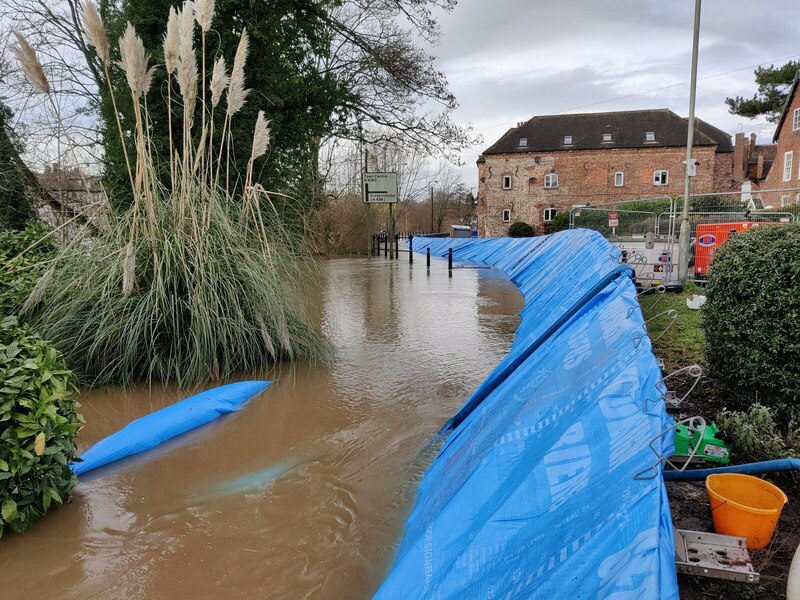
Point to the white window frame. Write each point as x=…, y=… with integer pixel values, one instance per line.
x=551, y=181
x=568, y=140
x=607, y=138
x=621, y=176
x=787, y=165
x=784, y=201
x=796, y=119
x=649, y=136
x=548, y=214
x=507, y=182
x=506, y=215
x=523, y=142
x=658, y=179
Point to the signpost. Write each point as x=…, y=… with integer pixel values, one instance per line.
x=381, y=188
x=613, y=222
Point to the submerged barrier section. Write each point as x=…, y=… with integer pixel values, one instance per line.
x=159, y=426
x=547, y=485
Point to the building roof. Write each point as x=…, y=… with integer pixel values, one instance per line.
x=628, y=129
x=786, y=105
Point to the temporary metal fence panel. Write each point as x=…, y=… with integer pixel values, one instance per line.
x=535, y=492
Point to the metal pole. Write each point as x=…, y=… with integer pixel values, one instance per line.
x=411, y=249
x=391, y=227
x=396, y=246
x=449, y=259
x=386, y=246
x=366, y=204
x=683, y=239
x=431, y=208
x=428, y=257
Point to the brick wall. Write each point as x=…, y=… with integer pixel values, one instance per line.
x=788, y=141
x=584, y=177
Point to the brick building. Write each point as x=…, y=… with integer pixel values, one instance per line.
x=785, y=171
x=550, y=163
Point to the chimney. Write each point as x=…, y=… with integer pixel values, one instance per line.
x=739, y=157
x=760, y=167
x=520, y=123
x=752, y=142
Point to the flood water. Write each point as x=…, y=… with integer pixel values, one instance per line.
x=304, y=493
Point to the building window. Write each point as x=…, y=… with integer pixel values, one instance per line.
x=619, y=179
x=551, y=180
x=506, y=215
x=548, y=214
x=787, y=166
x=523, y=141
x=567, y=140
x=660, y=177
x=606, y=137
x=650, y=136
x=506, y=182
x=796, y=119
x=784, y=201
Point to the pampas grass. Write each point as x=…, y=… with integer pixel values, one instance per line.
x=30, y=64
x=95, y=32
x=194, y=281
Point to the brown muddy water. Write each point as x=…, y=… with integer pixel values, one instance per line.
x=304, y=493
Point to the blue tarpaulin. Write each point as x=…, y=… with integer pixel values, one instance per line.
x=534, y=493
x=167, y=423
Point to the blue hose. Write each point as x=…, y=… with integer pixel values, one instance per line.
x=756, y=468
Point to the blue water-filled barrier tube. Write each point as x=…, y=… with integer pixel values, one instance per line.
x=544, y=487
x=756, y=468
x=153, y=429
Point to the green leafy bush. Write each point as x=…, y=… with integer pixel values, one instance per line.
x=38, y=424
x=19, y=274
x=754, y=433
x=751, y=319
x=520, y=229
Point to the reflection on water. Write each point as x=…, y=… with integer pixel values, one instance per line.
x=303, y=494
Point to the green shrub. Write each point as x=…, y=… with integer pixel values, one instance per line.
x=38, y=424
x=18, y=274
x=751, y=319
x=520, y=229
x=754, y=434
x=560, y=222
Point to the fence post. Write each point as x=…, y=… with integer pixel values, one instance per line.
x=386, y=246
x=396, y=246
x=428, y=256
x=411, y=249
x=449, y=259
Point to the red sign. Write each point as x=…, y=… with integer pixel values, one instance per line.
x=613, y=219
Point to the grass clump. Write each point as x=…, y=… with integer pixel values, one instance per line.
x=199, y=277
x=755, y=433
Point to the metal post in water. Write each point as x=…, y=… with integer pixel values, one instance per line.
x=386, y=246
x=411, y=249
x=428, y=256
x=396, y=246
x=449, y=259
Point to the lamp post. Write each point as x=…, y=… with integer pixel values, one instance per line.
x=683, y=239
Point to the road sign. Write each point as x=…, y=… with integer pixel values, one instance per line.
x=379, y=188
x=613, y=219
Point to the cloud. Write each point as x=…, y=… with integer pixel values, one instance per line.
x=510, y=59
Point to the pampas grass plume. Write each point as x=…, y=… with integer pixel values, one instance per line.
x=30, y=64
x=133, y=61
x=236, y=91
x=260, y=137
x=219, y=81
x=95, y=32
x=204, y=13
x=171, y=41
x=38, y=291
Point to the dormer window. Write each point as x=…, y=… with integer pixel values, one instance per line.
x=523, y=141
x=606, y=137
x=568, y=140
x=650, y=136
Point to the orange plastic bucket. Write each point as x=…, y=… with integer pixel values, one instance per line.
x=745, y=506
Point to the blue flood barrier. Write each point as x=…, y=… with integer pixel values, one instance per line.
x=153, y=429
x=534, y=494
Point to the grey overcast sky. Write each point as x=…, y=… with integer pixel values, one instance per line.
x=507, y=60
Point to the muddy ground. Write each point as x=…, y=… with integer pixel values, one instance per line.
x=691, y=510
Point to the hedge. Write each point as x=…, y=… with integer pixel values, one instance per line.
x=38, y=424
x=520, y=229
x=752, y=319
